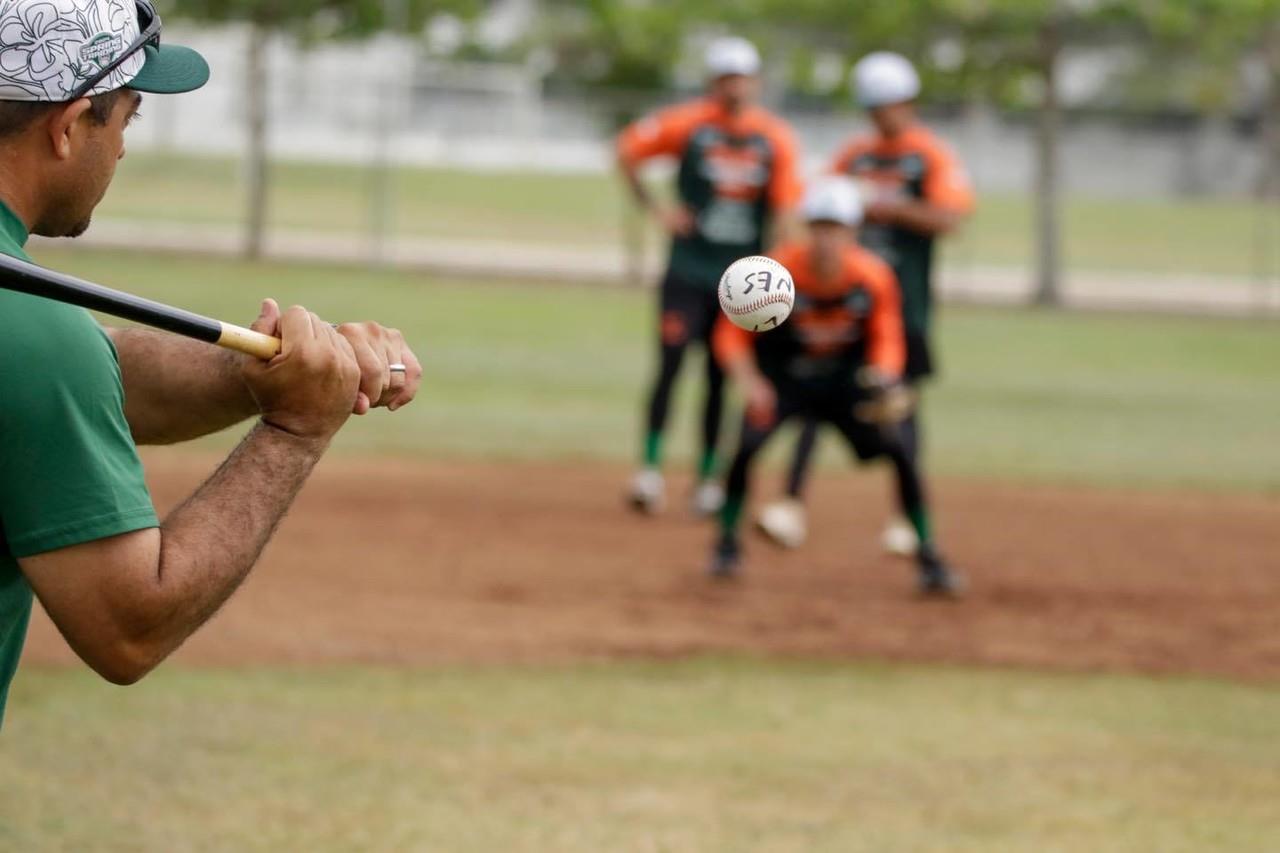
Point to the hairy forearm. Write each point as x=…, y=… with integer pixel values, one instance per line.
x=177, y=389
x=210, y=542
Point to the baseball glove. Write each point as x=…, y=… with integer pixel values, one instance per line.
x=888, y=402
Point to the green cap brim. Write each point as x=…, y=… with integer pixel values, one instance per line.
x=171, y=69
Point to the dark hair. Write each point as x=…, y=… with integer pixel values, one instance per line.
x=17, y=116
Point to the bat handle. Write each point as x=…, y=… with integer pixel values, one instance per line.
x=249, y=342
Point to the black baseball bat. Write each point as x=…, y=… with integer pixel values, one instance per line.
x=25, y=277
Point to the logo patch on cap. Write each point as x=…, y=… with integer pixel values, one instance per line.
x=49, y=47
x=101, y=49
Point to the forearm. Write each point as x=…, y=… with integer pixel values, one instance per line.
x=639, y=192
x=177, y=389
x=125, y=602
x=924, y=218
x=784, y=227
x=886, y=342
x=744, y=371
x=210, y=542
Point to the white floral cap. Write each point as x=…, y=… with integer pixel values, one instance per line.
x=49, y=48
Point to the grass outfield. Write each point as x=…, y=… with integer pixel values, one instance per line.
x=536, y=371
x=707, y=754
x=1170, y=236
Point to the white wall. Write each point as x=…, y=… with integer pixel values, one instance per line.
x=335, y=102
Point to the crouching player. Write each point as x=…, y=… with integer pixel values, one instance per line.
x=838, y=360
x=918, y=192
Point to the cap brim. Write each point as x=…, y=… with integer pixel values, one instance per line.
x=720, y=73
x=170, y=69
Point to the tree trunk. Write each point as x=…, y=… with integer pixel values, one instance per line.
x=382, y=194
x=394, y=101
x=256, y=95
x=1269, y=187
x=1269, y=180
x=1048, y=127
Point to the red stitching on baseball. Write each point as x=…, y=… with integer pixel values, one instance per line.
x=771, y=299
x=758, y=304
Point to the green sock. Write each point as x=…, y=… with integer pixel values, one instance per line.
x=731, y=514
x=653, y=449
x=920, y=521
x=707, y=467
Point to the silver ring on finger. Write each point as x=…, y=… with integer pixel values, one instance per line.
x=397, y=368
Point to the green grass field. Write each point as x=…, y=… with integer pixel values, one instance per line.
x=534, y=371
x=709, y=754
x=706, y=754
x=1159, y=236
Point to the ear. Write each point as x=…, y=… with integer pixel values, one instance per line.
x=63, y=127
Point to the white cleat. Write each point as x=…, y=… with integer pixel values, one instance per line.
x=648, y=492
x=899, y=539
x=784, y=523
x=708, y=498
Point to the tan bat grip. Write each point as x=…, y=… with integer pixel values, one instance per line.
x=249, y=342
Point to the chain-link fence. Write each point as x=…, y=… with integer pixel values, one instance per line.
x=380, y=156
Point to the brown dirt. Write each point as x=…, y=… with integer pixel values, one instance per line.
x=445, y=561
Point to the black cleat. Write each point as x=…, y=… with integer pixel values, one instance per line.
x=726, y=560
x=937, y=580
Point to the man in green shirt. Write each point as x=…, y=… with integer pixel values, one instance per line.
x=77, y=526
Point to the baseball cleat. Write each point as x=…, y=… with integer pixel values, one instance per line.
x=726, y=560
x=937, y=579
x=899, y=539
x=708, y=498
x=648, y=492
x=783, y=522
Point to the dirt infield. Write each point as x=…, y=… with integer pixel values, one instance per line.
x=438, y=562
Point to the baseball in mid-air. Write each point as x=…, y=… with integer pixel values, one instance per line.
x=757, y=293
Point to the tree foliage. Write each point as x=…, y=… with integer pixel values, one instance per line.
x=319, y=19
x=985, y=49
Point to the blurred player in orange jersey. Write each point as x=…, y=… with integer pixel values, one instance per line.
x=737, y=175
x=838, y=360
x=915, y=191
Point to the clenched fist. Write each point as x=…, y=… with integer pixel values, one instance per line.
x=310, y=388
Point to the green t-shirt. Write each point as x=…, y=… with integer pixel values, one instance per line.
x=69, y=470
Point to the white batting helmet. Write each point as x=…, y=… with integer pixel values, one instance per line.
x=833, y=198
x=731, y=55
x=883, y=78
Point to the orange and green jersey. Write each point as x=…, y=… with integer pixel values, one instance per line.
x=918, y=165
x=736, y=172
x=838, y=325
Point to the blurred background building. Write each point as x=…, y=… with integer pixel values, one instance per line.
x=1125, y=156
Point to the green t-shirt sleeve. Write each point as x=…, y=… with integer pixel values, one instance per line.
x=69, y=470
